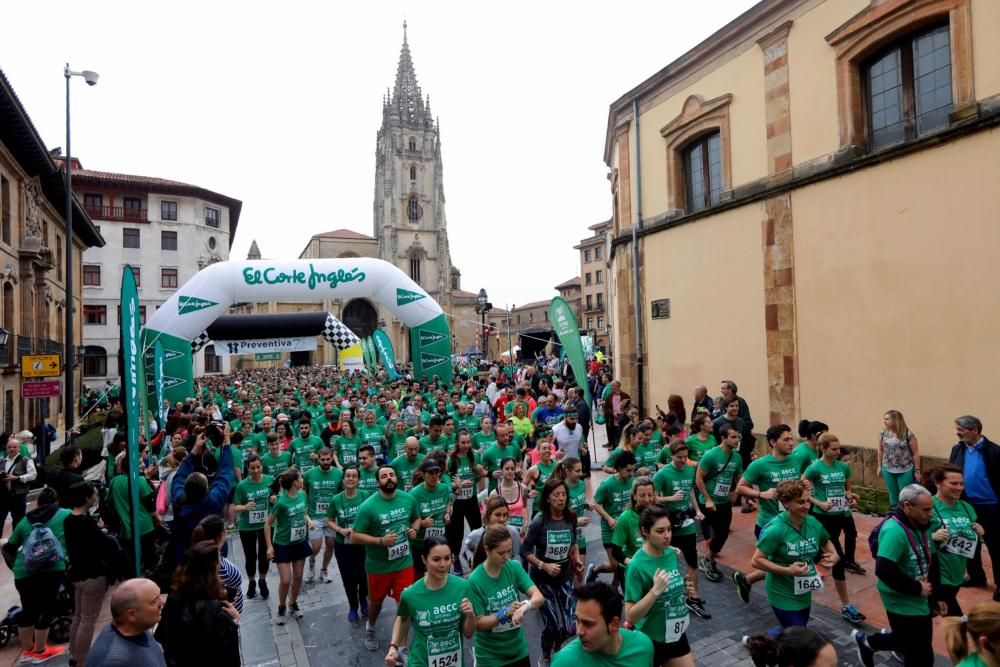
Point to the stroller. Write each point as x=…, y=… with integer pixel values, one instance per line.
x=58, y=631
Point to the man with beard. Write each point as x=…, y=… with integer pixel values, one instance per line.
x=903, y=568
x=384, y=525
x=321, y=484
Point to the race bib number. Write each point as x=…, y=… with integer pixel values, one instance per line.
x=257, y=516
x=444, y=652
x=960, y=546
x=722, y=488
x=349, y=460
x=399, y=550
x=321, y=508
x=838, y=504
x=557, y=545
x=297, y=533
x=517, y=520
x=676, y=627
x=808, y=584
x=465, y=493
x=433, y=531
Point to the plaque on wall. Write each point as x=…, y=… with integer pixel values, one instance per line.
x=661, y=309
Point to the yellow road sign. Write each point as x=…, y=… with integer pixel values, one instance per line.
x=40, y=365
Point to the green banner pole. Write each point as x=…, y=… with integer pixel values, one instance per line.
x=161, y=412
x=564, y=322
x=384, y=347
x=131, y=379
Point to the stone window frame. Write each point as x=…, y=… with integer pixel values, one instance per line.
x=877, y=27
x=698, y=117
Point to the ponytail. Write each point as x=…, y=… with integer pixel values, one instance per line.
x=983, y=620
x=564, y=465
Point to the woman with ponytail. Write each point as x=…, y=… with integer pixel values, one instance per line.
x=982, y=627
x=793, y=647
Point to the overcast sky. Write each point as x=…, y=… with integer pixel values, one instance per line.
x=278, y=105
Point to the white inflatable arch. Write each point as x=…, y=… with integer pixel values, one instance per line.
x=211, y=292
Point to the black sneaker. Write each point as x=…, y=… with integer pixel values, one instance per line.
x=251, y=590
x=853, y=567
x=709, y=569
x=296, y=612
x=865, y=653
x=279, y=619
x=264, y=592
x=697, y=607
x=742, y=586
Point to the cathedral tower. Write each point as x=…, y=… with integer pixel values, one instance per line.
x=409, y=216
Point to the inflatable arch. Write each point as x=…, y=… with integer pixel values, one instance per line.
x=210, y=293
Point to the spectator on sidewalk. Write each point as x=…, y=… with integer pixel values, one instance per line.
x=18, y=471
x=127, y=641
x=71, y=458
x=194, y=498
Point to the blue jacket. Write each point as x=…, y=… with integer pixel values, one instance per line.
x=188, y=515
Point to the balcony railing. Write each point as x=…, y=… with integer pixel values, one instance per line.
x=117, y=213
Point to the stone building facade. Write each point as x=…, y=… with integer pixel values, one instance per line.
x=593, y=316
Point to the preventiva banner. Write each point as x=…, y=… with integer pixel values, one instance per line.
x=225, y=348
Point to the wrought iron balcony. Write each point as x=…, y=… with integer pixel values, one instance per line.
x=117, y=213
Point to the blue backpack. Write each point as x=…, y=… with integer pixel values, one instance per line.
x=41, y=549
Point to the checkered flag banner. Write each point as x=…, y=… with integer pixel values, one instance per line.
x=200, y=342
x=337, y=334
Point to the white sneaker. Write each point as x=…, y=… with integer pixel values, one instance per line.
x=310, y=572
x=326, y=576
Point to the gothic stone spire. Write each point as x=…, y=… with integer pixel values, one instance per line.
x=407, y=100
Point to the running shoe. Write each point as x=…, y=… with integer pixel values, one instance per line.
x=746, y=509
x=279, y=618
x=251, y=590
x=851, y=614
x=47, y=654
x=589, y=575
x=310, y=571
x=325, y=576
x=370, y=642
x=742, y=586
x=853, y=567
x=296, y=612
x=697, y=607
x=352, y=616
x=27, y=656
x=865, y=653
x=709, y=569
x=264, y=591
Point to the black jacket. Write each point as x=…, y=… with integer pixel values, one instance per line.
x=991, y=459
x=66, y=478
x=198, y=633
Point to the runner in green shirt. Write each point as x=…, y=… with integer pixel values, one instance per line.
x=537, y=474
x=955, y=530
x=321, y=483
x=345, y=447
x=767, y=472
x=251, y=500
x=438, y=609
x=610, y=500
x=367, y=469
x=626, y=537
x=981, y=629
x=286, y=533
x=384, y=525
x=655, y=592
x=306, y=447
x=787, y=552
x=396, y=436
x=717, y=473
x=485, y=436
x=434, y=505
x=407, y=463
x=702, y=438
x=275, y=461
x=808, y=451
x=434, y=438
x=570, y=471
x=604, y=642
x=501, y=449
x=350, y=557
x=495, y=588
x=371, y=433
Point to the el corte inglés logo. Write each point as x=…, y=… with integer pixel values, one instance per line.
x=404, y=296
x=189, y=304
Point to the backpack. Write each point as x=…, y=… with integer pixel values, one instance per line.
x=41, y=549
x=873, y=540
x=873, y=536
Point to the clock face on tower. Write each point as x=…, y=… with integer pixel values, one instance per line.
x=414, y=211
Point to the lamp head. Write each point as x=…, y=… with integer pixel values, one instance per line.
x=90, y=77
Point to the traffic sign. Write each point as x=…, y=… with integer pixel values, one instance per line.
x=40, y=366
x=41, y=389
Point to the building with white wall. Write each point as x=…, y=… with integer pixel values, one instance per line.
x=167, y=231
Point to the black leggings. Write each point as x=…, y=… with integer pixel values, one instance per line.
x=351, y=563
x=687, y=545
x=910, y=635
x=38, y=599
x=835, y=524
x=255, y=550
x=720, y=520
x=462, y=511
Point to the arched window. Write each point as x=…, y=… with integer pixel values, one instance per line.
x=413, y=173
x=413, y=209
x=413, y=144
x=212, y=362
x=95, y=361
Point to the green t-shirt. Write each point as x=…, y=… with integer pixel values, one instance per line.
x=972, y=660
x=260, y=442
x=275, y=465
x=483, y=441
x=56, y=524
x=613, y=456
x=404, y=468
x=290, y=525
x=372, y=435
x=668, y=618
x=955, y=552
x=767, y=472
x=346, y=450
x=829, y=484
x=396, y=443
x=805, y=455
x=343, y=509
x=645, y=456
x=434, y=504
x=466, y=471
x=720, y=473
x=783, y=544
x=627, y=535
x=368, y=479
x=378, y=516
x=578, y=503
x=668, y=481
x=492, y=457
x=505, y=643
x=120, y=499
x=894, y=544
x=304, y=448
x=636, y=649
x=544, y=472
x=429, y=445
x=614, y=495
x=698, y=448
x=320, y=488
x=260, y=493
x=436, y=620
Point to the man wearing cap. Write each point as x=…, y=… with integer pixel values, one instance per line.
x=568, y=434
x=434, y=503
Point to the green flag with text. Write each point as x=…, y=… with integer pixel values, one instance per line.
x=384, y=347
x=132, y=383
x=564, y=322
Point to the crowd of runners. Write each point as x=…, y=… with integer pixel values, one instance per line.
x=467, y=504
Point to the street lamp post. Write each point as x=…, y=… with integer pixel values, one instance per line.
x=483, y=306
x=69, y=358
